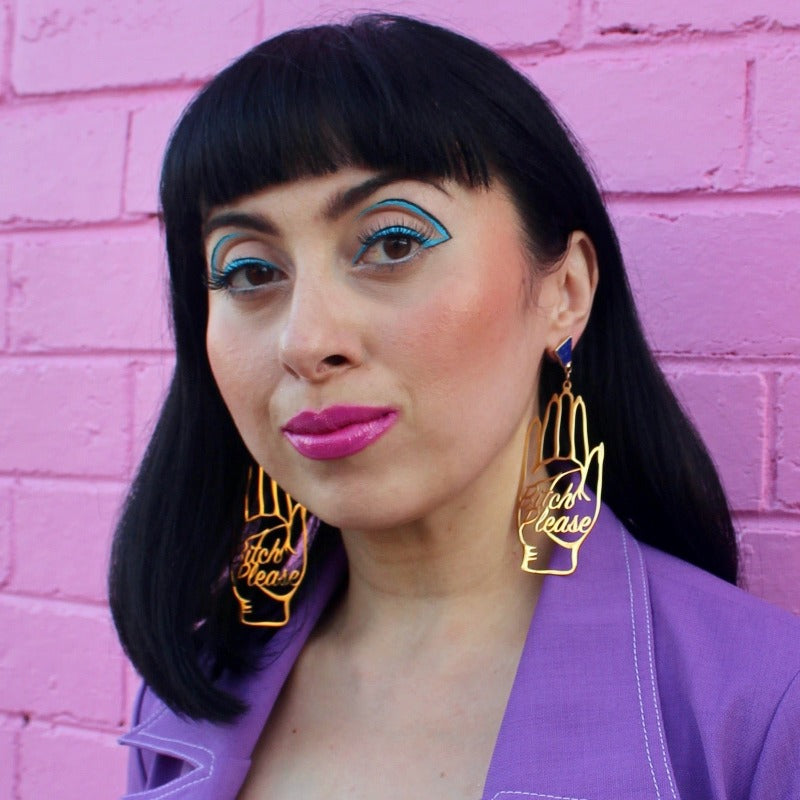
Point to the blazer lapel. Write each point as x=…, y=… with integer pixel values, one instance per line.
x=206, y=761
x=583, y=720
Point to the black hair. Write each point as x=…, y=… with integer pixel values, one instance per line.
x=391, y=94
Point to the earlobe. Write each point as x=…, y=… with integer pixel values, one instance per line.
x=577, y=277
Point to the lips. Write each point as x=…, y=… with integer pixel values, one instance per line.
x=338, y=431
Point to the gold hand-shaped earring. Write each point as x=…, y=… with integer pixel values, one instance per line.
x=272, y=561
x=552, y=500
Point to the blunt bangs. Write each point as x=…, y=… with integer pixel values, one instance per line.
x=314, y=100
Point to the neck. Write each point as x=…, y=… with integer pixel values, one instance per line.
x=453, y=576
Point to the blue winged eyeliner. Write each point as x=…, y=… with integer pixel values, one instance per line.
x=226, y=238
x=442, y=234
x=217, y=278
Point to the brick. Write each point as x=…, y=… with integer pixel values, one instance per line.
x=775, y=158
x=5, y=533
x=619, y=15
x=639, y=130
x=116, y=298
x=787, y=488
x=150, y=130
x=9, y=733
x=5, y=256
x=716, y=283
x=728, y=410
x=149, y=389
x=59, y=660
x=116, y=43
x=771, y=562
x=61, y=164
x=5, y=32
x=82, y=764
x=55, y=520
x=507, y=23
x=63, y=418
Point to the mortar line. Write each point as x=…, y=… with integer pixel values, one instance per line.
x=763, y=520
x=114, y=93
x=12, y=531
x=7, y=298
x=68, y=355
x=756, y=201
x=91, y=607
x=769, y=452
x=714, y=42
x=129, y=385
x=16, y=749
x=749, y=104
x=125, y=694
x=7, y=88
x=117, y=224
x=67, y=483
x=727, y=364
x=62, y=719
x=95, y=478
x=574, y=29
x=126, y=156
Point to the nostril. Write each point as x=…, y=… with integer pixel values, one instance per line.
x=335, y=360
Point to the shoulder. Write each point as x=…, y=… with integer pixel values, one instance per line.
x=693, y=608
x=177, y=757
x=728, y=668
x=146, y=706
x=143, y=761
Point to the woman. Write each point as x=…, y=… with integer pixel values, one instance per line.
x=383, y=246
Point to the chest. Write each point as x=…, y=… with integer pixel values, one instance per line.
x=380, y=737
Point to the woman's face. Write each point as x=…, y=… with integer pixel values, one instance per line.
x=376, y=341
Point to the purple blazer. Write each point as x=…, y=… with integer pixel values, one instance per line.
x=641, y=677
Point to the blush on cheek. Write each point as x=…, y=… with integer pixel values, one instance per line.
x=458, y=328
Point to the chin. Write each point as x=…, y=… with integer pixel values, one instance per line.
x=362, y=519
x=366, y=513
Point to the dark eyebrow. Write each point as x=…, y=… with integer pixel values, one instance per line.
x=238, y=219
x=345, y=200
x=341, y=202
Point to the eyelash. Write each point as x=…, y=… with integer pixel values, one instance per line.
x=380, y=232
x=221, y=280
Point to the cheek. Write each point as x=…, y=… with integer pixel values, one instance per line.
x=469, y=329
x=240, y=368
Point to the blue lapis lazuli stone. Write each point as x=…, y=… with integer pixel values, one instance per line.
x=564, y=352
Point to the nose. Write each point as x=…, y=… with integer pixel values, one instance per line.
x=320, y=335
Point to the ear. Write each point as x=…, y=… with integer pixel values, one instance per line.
x=574, y=286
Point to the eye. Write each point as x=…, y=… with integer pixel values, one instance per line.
x=390, y=245
x=243, y=275
x=238, y=266
x=391, y=242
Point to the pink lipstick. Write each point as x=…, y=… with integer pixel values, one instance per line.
x=338, y=431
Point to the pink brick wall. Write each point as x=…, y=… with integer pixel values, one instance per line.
x=691, y=114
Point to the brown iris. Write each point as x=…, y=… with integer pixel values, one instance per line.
x=397, y=247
